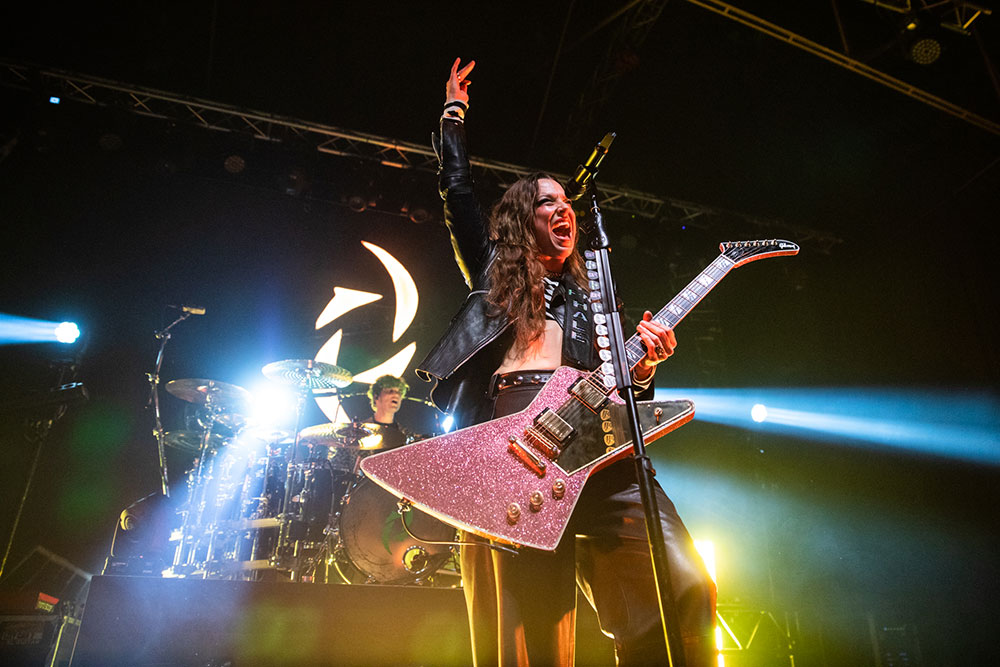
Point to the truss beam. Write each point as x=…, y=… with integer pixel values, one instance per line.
x=331, y=140
x=768, y=28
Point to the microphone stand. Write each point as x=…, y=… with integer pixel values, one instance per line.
x=154, y=400
x=39, y=428
x=600, y=244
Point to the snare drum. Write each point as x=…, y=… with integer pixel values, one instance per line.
x=374, y=546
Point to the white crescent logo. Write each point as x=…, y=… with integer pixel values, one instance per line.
x=345, y=300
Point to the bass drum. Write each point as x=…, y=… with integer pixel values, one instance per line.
x=375, y=548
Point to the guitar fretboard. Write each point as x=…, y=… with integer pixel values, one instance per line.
x=670, y=316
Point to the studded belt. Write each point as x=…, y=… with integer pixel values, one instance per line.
x=503, y=381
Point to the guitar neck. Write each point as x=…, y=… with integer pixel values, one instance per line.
x=672, y=313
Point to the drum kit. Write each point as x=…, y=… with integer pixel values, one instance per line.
x=268, y=504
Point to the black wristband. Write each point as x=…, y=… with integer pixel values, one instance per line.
x=456, y=103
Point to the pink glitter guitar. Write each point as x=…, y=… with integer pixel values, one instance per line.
x=517, y=479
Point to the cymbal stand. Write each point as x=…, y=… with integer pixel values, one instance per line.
x=307, y=375
x=287, y=517
x=154, y=401
x=196, y=496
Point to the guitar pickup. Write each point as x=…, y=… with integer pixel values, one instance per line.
x=559, y=428
x=526, y=456
x=588, y=394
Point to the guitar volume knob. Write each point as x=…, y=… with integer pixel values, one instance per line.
x=513, y=513
x=535, y=501
x=558, y=489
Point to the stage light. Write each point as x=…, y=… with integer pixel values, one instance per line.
x=273, y=406
x=921, y=39
x=67, y=332
x=447, y=423
x=54, y=100
x=706, y=549
x=958, y=425
x=357, y=203
x=925, y=51
x=234, y=164
x=15, y=329
x=758, y=412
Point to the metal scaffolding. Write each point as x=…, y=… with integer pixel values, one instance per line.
x=330, y=140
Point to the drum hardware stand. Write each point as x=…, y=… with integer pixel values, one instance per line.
x=196, y=497
x=600, y=245
x=286, y=517
x=307, y=375
x=61, y=397
x=154, y=401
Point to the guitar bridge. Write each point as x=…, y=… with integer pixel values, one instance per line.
x=526, y=456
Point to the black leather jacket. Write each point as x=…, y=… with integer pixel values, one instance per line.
x=473, y=346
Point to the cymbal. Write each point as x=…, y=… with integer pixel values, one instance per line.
x=353, y=432
x=326, y=434
x=416, y=415
x=308, y=374
x=203, y=392
x=190, y=441
x=382, y=437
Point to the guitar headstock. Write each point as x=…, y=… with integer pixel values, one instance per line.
x=743, y=252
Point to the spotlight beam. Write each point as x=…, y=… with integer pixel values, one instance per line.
x=962, y=426
x=15, y=329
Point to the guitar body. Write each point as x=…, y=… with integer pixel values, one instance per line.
x=517, y=479
x=471, y=478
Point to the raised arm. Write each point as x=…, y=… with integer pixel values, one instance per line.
x=462, y=213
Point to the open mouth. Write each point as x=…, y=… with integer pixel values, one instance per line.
x=562, y=230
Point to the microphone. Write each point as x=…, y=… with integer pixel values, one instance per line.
x=586, y=171
x=190, y=310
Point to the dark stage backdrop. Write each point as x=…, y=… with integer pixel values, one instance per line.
x=108, y=238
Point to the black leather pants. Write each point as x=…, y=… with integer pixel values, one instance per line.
x=522, y=608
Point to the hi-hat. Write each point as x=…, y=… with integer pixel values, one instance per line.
x=210, y=392
x=308, y=374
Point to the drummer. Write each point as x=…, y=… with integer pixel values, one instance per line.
x=386, y=395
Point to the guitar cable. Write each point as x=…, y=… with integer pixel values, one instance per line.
x=404, y=506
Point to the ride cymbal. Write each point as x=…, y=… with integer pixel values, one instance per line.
x=210, y=392
x=308, y=374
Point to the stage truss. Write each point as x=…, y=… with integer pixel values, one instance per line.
x=331, y=140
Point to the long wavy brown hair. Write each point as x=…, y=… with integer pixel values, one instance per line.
x=516, y=287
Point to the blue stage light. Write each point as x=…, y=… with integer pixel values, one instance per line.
x=447, y=423
x=15, y=329
x=67, y=332
x=961, y=425
x=54, y=100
